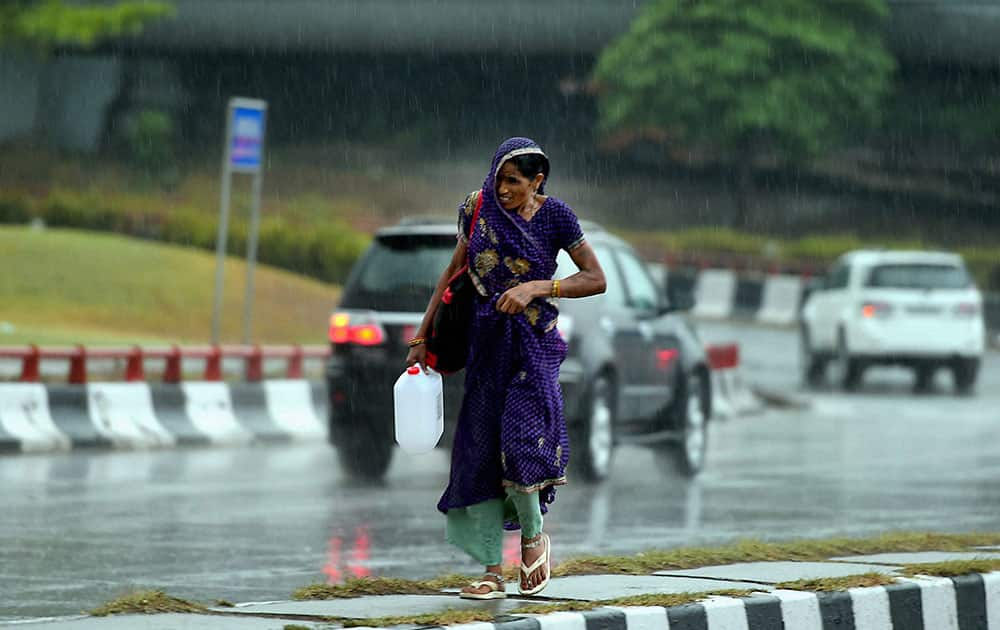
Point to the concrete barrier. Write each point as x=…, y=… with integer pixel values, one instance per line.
x=713, y=293
x=780, y=302
x=43, y=418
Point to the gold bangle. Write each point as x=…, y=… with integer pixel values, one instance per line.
x=556, y=292
x=416, y=341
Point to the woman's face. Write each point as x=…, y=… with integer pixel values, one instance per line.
x=513, y=188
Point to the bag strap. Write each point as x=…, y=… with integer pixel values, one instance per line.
x=475, y=215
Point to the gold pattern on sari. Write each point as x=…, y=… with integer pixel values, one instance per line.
x=532, y=313
x=488, y=231
x=518, y=266
x=471, y=201
x=559, y=455
x=541, y=442
x=486, y=262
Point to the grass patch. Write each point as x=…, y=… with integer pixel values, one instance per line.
x=443, y=618
x=360, y=587
x=863, y=580
x=951, y=568
x=759, y=551
x=87, y=287
x=147, y=603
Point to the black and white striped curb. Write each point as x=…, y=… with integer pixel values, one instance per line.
x=968, y=602
x=38, y=417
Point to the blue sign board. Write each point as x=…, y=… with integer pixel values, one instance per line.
x=245, y=154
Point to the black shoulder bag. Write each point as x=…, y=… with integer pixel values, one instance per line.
x=448, y=338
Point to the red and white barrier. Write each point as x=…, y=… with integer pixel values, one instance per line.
x=80, y=358
x=130, y=413
x=730, y=394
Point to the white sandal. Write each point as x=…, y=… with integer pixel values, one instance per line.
x=542, y=559
x=497, y=590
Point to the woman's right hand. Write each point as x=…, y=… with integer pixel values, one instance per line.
x=417, y=354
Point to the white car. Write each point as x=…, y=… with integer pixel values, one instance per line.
x=919, y=309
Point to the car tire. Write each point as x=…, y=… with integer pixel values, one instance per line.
x=965, y=372
x=812, y=364
x=924, y=377
x=592, y=439
x=689, y=414
x=848, y=371
x=364, y=454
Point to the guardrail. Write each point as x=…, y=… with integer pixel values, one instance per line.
x=135, y=357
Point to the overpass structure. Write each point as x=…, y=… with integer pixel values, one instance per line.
x=958, y=31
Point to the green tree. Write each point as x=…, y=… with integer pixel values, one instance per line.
x=41, y=25
x=744, y=79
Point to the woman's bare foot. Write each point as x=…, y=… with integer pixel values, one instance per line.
x=531, y=550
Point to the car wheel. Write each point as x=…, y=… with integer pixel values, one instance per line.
x=592, y=441
x=924, y=381
x=964, y=373
x=364, y=453
x=847, y=370
x=813, y=365
x=690, y=410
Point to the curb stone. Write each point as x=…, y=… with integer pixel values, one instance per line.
x=968, y=602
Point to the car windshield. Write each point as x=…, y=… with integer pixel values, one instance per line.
x=399, y=272
x=918, y=276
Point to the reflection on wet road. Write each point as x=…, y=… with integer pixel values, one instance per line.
x=255, y=523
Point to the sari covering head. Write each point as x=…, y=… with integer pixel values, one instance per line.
x=511, y=432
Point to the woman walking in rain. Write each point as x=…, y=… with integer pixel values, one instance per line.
x=511, y=447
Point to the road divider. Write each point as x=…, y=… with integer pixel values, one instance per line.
x=780, y=301
x=714, y=290
x=135, y=414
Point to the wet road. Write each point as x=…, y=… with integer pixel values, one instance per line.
x=254, y=524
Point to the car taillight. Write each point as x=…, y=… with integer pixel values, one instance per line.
x=345, y=329
x=967, y=309
x=870, y=310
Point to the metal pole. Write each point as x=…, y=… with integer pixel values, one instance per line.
x=251, y=258
x=220, y=242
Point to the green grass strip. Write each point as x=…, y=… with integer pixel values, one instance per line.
x=361, y=587
x=758, y=551
x=952, y=568
x=823, y=585
x=147, y=603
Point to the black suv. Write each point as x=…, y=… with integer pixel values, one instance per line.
x=635, y=371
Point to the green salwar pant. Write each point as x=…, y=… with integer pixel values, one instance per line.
x=478, y=529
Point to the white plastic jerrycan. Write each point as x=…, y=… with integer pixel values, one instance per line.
x=419, y=407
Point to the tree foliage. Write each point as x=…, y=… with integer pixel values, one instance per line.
x=789, y=77
x=41, y=25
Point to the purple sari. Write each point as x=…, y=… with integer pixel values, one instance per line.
x=511, y=431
